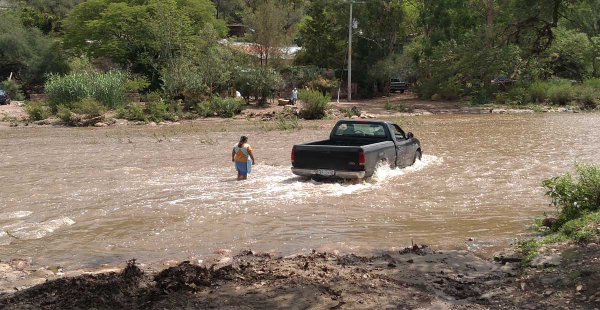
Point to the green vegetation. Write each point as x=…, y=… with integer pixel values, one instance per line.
x=397, y=107
x=107, y=88
x=153, y=111
x=575, y=196
x=37, y=111
x=511, y=52
x=315, y=104
x=223, y=107
x=577, y=199
x=282, y=122
x=13, y=89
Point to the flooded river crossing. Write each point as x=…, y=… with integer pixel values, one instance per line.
x=85, y=197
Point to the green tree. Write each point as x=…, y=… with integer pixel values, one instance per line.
x=144, y=36
x=585, y=17
x=270, y=30
x=323, y=34
x=45, y=15
x=26, y=52
x=568, y=55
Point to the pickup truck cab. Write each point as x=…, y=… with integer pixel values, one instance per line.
x=354, y=150
x=397, y=84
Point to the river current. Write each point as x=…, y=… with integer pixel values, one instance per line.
x=85, y=197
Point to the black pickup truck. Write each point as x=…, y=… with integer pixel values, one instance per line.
x=354, y=150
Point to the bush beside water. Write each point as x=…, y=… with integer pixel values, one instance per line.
x=37, y=111
x=577, y=199
x=557, y=92
x=217, y=106
x=315, y=104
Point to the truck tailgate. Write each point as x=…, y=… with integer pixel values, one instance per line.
x=327, y=157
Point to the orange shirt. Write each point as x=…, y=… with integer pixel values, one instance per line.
x=240, y=156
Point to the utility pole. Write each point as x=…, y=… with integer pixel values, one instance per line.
x=350, y=54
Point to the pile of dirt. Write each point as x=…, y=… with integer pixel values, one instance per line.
x=413, y=278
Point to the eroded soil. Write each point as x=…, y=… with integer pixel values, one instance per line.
x=412, y=278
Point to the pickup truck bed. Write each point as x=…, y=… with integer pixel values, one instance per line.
x=355, y=153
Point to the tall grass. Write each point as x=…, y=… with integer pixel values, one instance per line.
x=538, y=92
x=315, y=104
x=561, y=93
x=108, y=88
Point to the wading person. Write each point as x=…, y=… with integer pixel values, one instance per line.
x=243, y=158
x=294, y=95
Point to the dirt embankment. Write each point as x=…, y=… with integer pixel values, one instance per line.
x=413, y=278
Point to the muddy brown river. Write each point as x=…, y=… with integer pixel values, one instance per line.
x=86, y=197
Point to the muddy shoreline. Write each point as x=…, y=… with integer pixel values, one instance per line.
x=417, y=277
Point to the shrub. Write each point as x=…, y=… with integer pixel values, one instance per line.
x=287, y=122
x=89, y=107
x=575, y=196
x=300, y=75
x=158, y=111
x=324, y=85
x=356, y=111
x=261, y=83
x=37, y=111
x=107, y=88
x=136, y=83
x=400, y=107
x=132, y=112
x=65, y=115
x=315, y=104
x=13, y=89
x=538, y=92
x=593, y=83
x=587, y=97
x=481, y=97
x=217, y=106
x=518, y=95
x=582, y=229
x=502, y=98
x=153, y=111
x=560, y=93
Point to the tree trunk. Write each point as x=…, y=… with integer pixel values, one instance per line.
x=490, y=22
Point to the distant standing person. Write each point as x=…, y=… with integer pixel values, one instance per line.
x=243, y=158
x=294, y=95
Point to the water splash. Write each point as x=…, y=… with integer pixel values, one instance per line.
x=29, y=231
x=275, y=185
x=15, y=215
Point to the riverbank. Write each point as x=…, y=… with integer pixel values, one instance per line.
x=395, y=105
x=411, y=278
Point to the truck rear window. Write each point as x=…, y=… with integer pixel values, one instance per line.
x=359, y=130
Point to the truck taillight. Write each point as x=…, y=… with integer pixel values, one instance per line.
x=361, y=158
x=293, y=155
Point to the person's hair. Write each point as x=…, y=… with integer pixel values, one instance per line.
x=243, y=139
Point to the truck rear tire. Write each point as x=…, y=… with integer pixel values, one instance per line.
x=418, y=155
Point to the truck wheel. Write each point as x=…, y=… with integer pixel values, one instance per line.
x=418, y=155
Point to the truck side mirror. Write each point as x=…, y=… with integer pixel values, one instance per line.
x=409, y=135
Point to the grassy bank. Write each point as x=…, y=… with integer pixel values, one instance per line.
x=577, y=200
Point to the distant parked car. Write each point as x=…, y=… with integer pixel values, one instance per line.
x=4, y=97
x=398, y=85
x=503, y=81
